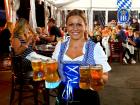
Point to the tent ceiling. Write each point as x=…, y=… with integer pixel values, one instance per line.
x=86, y=4
x=60, y=3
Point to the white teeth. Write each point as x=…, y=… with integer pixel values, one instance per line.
x=75, y=33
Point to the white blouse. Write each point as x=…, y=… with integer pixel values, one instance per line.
x=99, y=55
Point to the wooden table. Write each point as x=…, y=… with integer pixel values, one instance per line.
x=45, y=50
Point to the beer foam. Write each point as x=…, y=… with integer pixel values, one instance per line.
x=51, y=61
x=84, y=67
x=36, y=60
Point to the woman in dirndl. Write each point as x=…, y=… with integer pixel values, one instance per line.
x=78, y=50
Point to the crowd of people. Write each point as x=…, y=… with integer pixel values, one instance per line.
x=129, y=35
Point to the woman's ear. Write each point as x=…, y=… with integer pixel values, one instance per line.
x=86, y=34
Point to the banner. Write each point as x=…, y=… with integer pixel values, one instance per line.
x=124, y=4
x=123, y=13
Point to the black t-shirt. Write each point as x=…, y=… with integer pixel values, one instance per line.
x=130, y=37
x=136, y=26
x=55, y=31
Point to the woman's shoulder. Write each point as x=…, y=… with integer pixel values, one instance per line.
x=90, y=41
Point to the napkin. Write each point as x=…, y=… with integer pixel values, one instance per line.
x=34, y=55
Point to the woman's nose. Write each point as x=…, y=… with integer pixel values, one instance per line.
x=75, y=26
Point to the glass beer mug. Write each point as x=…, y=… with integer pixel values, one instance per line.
x=51, y=74
x=38, y=72
x=84, y=77
x=96, y=73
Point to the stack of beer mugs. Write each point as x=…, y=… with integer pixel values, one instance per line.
x=90, y=77
x=45, y=70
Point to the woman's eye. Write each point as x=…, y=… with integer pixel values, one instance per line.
x=71, y=25
x=79, y=24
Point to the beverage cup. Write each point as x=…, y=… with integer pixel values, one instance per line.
x=38, y=73
x=96, y=73
x=51, y=73
x=84, y=77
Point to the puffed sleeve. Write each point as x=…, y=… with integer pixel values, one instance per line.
x=56, y=51
x=101, y=58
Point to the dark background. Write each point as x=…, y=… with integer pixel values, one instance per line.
x=23, y=12
x=2, y=14
x=1, y=4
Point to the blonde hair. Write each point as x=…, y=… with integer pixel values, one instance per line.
x=20, y=27
x=77, y=12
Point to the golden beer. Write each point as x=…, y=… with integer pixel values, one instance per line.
x=51, y=74
x=96, y=73
x=43, y=69
x=36, y=64
x=84, y=77
x=38, y=72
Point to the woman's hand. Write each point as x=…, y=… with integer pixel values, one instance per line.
x=104, y=78
x=97, y=84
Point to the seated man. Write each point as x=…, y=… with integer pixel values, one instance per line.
x=137, y=39
x=135, y=42
x=53, y=30
x=130, y=46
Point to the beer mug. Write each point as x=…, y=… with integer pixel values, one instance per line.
x=84, y=77
x=96, y=73
x=51, y=74
x=38, y=72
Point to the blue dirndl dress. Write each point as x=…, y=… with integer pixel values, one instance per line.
x=69, y=92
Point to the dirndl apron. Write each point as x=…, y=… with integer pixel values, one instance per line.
x=69, y=92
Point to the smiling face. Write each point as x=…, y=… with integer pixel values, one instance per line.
x=76, y=27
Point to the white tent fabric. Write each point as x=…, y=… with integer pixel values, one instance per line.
x=60, y=3
x=15, y=7
x=32, y=17
x=86, y=4
x=47, y=14
x=90, y=5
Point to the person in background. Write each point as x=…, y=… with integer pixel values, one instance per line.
x=96, y=23
x=53, y=31
x=126, y=30
x=113, y=36
x=78, y=49
x=23, y=41
x=121, y=34
x=41, y=35
x=106, y=33
x=66, y=35
x=135, y=24
x=130, y=47
x=136, y=39
x=122, y=38
x=112, y=23
x=130, y=35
